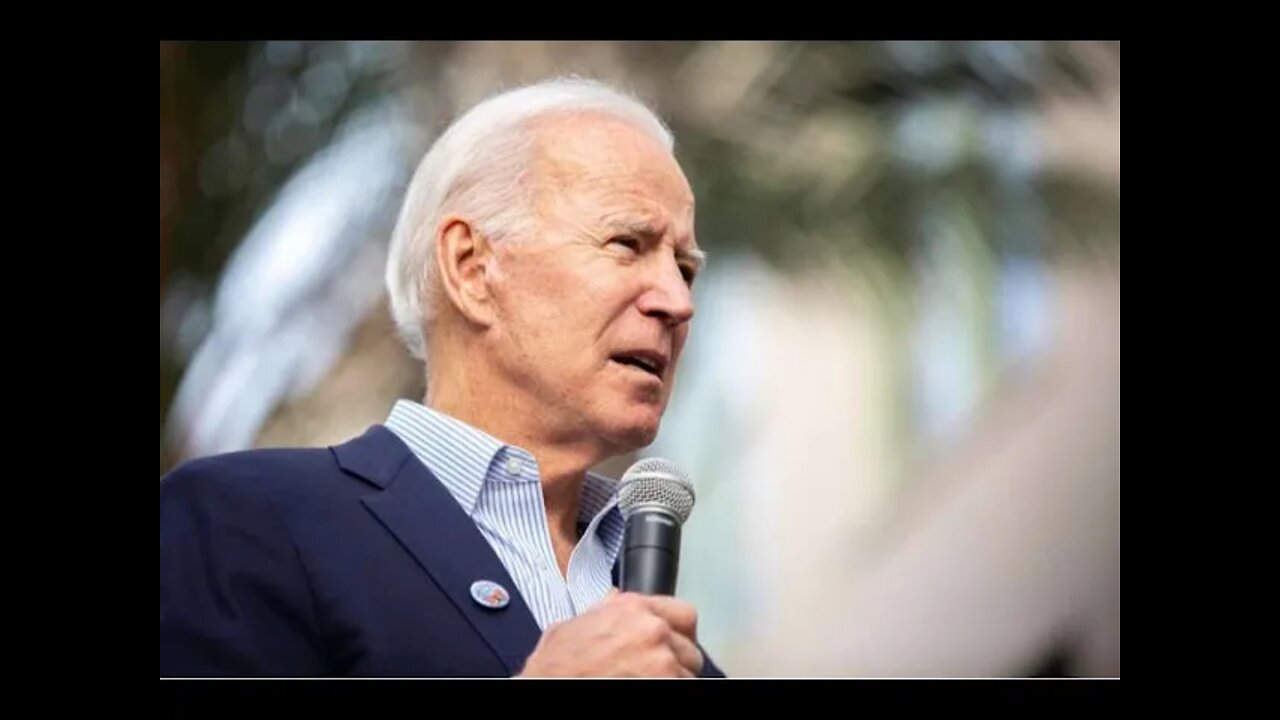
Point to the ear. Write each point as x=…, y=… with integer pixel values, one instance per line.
x=462, y=255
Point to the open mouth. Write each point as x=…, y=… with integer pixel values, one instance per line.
x=651, y=363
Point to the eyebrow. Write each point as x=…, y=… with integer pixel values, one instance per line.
x=648, y=231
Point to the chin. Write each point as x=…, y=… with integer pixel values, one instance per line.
x=633, y=431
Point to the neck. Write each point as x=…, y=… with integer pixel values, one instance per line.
x=477, y=395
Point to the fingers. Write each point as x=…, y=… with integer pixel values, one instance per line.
x=628, y=635
x=677, y=613
x=687, y=653
x=666, y=625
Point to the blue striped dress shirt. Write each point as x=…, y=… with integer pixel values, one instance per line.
x=498, y=486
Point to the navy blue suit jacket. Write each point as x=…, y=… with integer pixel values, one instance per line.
x=351, y=560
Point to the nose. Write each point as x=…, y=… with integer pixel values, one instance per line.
x=668, y=297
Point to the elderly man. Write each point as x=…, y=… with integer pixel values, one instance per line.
x=542, y=267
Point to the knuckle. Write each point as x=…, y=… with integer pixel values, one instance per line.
x=689, y=615
x=662, y=663
x=654, y=629
x=672, y=666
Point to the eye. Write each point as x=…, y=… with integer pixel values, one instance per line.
x=689, y=273
x=626, y=241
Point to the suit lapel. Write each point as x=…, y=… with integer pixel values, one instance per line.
x=426, y=519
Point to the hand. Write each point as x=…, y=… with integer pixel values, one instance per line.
x=626, y=635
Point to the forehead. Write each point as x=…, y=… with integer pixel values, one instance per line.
x=612, y=173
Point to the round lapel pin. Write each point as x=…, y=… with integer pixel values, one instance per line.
x=490, y=594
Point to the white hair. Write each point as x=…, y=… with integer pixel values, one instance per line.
x=480, y=168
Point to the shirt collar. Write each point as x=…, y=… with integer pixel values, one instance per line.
x=463, y=458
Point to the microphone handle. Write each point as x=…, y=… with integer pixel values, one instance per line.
x=650, y=553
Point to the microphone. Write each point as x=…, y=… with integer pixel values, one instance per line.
x=655, y=497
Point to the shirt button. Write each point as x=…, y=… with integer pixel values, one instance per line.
x=514, y=466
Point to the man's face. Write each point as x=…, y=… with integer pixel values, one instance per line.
x=594, y=306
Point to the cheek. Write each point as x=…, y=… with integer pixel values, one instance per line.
x=677, y=344
x=564, y=306
x=531, y=298
x=553, y=324
x=595, y=301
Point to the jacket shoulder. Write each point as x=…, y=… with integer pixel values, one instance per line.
x=251, y=477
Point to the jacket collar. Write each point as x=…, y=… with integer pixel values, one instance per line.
x=412, y=504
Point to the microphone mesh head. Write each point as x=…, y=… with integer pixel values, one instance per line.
x=656, y=483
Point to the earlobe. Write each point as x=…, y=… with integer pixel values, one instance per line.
x=462, y=254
